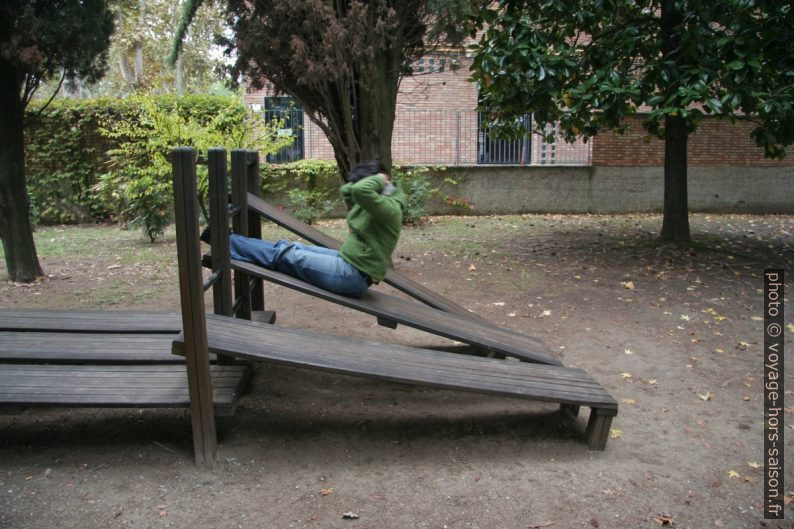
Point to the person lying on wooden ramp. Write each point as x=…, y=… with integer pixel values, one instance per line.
x=375, y=217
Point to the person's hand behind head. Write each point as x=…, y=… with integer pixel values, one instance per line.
x=365, y=169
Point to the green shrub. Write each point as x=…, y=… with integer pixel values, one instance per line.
x=416, y=183
x=311, y=186
x=139, y=180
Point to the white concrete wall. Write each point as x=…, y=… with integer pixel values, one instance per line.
x=510, y=189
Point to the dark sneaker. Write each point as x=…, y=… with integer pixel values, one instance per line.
x=205, y=235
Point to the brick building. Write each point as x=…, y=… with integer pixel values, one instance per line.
x=437, y=122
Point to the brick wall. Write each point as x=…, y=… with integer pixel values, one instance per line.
x=715, y=143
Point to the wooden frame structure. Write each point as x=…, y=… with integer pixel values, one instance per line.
x=236, y=337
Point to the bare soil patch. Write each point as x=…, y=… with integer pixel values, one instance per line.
x=675, y=334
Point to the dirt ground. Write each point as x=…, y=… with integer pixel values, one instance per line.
x=674, y=334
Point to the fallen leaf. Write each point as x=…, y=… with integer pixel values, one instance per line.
x=545, y=313
x=326, y=492
x=706, y=396
x=628, y=401
x=349, y=516
x=750, y=480
x=665, y=519
x=499, y=303
x=733, y=474
x=788, y=498
x=685, y=317
x=652, y=381
x=790, y=327
x=626, y=375
x=472, y=268
x=628, y=351
x=614, y=433
x=720, y=318
x=629, y=285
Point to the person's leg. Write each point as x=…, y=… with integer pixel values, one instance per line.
x=321, y=267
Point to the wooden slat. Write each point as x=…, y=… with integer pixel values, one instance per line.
x=393, y=278
x=391, y=308
x=83, y=321
x=71, y=347
x=113, y=386
x=405, y=364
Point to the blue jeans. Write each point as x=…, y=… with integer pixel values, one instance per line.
x=322, y=267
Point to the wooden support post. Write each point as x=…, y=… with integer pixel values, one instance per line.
x=219, y=230
x=194, y=323
x=254, y=186
x=242, y=289
x=598, y=428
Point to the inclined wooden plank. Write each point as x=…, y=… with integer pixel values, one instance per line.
x=420, y=317
x=65, y=347
x=121, y=321
x=341, y=345
x=350, y=357
x=393, y=278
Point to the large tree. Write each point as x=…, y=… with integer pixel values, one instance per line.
x=39, y=39
x=141, y=44
x=342, y=61
x=588, y=64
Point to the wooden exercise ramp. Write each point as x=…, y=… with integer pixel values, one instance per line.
x=395, y=363
x=391, y=310
x=437, y=314
x=101, y=359
x=237, y=337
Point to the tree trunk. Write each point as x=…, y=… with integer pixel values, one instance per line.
x=675, y=225
x=16, y=231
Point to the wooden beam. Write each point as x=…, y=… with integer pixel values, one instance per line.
x=242, y=290
x=254, y=186
x=205, y=441
x=219, y=232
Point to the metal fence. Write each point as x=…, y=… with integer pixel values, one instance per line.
x=441, y=137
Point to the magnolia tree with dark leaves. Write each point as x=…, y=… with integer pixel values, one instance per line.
x=588, y=64
x=39, y=39
x=342, y=61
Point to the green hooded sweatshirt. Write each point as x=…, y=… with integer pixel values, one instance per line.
x=375, y=217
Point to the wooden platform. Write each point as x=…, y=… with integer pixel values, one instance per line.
x=393, y=277
x=570, y=387
x=114, y=386
x=100, y=359
x=391, y=310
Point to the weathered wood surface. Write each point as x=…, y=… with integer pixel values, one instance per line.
x=96, y=348
x=393, y=278
x=393, y=309
x=398, y=363
x=160, y=386
x=191, y=293
x=87, y=321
